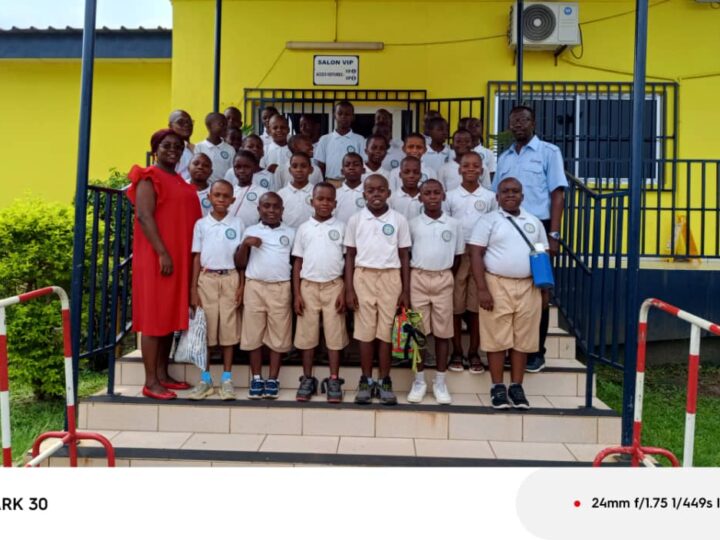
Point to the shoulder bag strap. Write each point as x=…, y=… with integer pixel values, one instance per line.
x=518, y=229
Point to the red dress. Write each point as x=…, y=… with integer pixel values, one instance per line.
x=160, y=303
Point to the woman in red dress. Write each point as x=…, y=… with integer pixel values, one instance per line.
x=166, y=209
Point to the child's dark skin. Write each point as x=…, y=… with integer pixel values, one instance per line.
x=221, y=197
x=300, y=169
x=244, y=169
x=352, y=169
x=254, y=144
x=270, y=208
x=278, y=131
x=462, y=144
x=376, y=193
x=200, y=169
x=438, y=135
x=234, y=138
x=432, y=196
x=410, y=176
x=344, y=116
x=323, y=203
x=217, y=126
x=376, y=150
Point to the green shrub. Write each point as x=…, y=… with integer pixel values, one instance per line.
x=36, y=243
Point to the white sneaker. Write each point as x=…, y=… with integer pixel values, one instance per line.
x=440, y=391
x=417, y=392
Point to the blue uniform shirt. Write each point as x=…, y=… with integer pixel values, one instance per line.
x=539, y=167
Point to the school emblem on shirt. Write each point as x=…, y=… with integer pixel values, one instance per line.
x=334, y=235
x=284, y=240
x=350, y=148
x=252, y=197
x=230, y=234
x=480, y=206
x=394, y=163
x=224, y=154
x=360, y=202
x=529, y=228
x=446, y=235
x=264, y=183
x=206, y=203
x=388, y=229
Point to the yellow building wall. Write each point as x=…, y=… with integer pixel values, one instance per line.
x=39, y=108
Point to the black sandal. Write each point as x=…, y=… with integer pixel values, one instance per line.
x=476, y=365
x=457, y=362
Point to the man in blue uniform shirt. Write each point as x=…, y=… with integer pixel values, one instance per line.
x=539, y=167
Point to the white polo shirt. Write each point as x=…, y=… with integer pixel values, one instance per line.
x=182, y=166
x=266, y=138
x=320, y=244
x=435, y=242
x=246, y=202
x=332, y=147
x=221, y=155
x=449, y=175
x=264, y=179
x=408, y=206
x=205, y=205
x=507, y=253
x=394, y=155
x=271, y=261
x=284, y=178
x=434, y=159
x=297, y=203
x=216, y=241
x=425, y=174
x=349, y=201
x=377, y=239
x=468, y=207
x=489, y=159
x=382, y=171
x=277, y=155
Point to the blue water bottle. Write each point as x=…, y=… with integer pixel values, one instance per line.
x=541, y=268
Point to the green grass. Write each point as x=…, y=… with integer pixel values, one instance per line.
x=30, y=417
x=664, y=409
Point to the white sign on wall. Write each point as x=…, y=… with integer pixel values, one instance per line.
x=336, y=70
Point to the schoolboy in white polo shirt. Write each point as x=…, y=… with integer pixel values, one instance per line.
x=406, y=200
x=247, y=194
x=332, y=147
x=449, y=174
x=394, y=152
x=216, y=285
x=199, y=170
x=318, y=288
x=510, y=321
x=261, y=177
x=264, y=255
x=376, y=147
x=350, y=197
x=438, y=151
x=297, y=195
x=277, y=153
x=377, y=282
x=298, y=143
x=466, y=204
x=414, y=146
x=266, y=114
x=220, y=153
x=437, y=246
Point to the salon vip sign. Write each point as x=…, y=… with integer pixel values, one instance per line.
x=336, y=70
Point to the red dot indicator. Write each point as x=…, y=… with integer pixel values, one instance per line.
x=577, y=504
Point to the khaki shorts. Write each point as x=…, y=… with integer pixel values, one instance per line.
x=465, y=291
x=431, y=294
x=267, y=316
x=514, y=322
x=217, y=295
x=378, y=292
x=320, y=298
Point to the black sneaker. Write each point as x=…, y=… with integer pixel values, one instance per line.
x=499, y=397
x=516, y=396
x=308, y=388
x=364, y=393
x=384, y=391
x=535, y=363
x=333, y=389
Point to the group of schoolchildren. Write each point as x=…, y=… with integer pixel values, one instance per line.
x=297, y=231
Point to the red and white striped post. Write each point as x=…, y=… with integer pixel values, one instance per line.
x=637, y=452
x=69, y=437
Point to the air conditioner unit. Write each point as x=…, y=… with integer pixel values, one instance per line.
x=546, y=25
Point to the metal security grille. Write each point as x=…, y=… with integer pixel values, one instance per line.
x=591, y=123
x=413, y=105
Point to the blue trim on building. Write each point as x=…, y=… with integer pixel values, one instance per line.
x=56, y=43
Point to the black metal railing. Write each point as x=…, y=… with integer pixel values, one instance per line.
x=107, y=314
x=588, y=289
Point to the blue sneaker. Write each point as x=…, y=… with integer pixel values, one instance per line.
x=272, y=388
x=535, y=363
x=257, y=389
